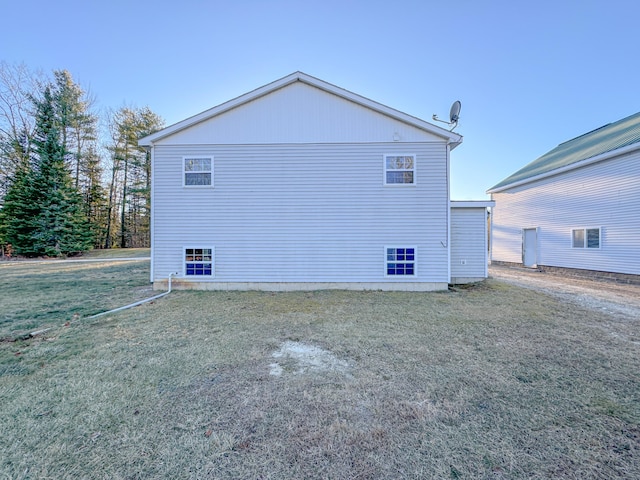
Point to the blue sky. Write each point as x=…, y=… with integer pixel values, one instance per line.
x=529, y=75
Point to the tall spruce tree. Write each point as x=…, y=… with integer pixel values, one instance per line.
x=18, y=210
x=60, y=226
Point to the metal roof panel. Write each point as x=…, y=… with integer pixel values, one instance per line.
x=607, y=138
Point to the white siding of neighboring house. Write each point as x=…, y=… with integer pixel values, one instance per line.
x=302, y=212
x=604, y=194
x=469, y=249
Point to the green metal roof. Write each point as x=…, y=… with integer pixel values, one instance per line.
x=605, y=139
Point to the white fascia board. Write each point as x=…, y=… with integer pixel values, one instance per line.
x=573, y=166
x=451, y=138
x=472, y=203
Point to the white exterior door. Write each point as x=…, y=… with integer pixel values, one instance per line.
x=529, y=247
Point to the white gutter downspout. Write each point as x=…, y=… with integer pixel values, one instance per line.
x=152, y=229
x=448, y=214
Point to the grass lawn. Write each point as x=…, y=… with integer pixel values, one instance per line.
x=487, y=382
x=117, y=253
x=34, y=296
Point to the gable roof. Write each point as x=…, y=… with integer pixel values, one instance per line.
x=599, y=144
x=451, y=138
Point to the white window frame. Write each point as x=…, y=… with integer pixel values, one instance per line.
x=386, y=170
x=586, y=238
x=414, y=261
x=185, y=261
x=184, y=170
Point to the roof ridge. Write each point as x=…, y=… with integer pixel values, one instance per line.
x=600, y=143
x=585, y=134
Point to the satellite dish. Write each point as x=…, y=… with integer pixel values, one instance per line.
x=454, y=115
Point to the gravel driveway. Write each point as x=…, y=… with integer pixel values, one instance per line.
x=621, y=300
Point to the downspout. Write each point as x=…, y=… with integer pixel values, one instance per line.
x=490, y=234
x=448, y=246
x=152, y=215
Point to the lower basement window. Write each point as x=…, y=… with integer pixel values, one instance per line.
x=400, y=261
x=198, y=261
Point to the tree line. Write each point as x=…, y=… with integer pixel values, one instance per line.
x=71, y=179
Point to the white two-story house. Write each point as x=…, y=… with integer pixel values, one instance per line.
x=301, y=184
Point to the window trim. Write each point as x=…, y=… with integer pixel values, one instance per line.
x=415, y=261
x=385, y=170
x=585, y=244
x=184, y=170
x=196, y=247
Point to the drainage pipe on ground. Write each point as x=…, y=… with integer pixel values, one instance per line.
x=135, y=304
x=140, y=302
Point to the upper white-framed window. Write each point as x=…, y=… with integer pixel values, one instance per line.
x=197, y=171
x=400, y=261
x=399, y=168
x=589, y=237
x=198, y=261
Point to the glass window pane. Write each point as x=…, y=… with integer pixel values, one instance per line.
x=578, y=238
x=395, y=177
x=197, y=164
x=593, y=238
x=197, y=179
x=390, y=162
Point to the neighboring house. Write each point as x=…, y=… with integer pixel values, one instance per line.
x=575, y=209
x=301, y=184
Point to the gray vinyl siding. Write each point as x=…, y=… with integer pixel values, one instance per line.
x=605, y=194
x=469, y=253
x=301, y=212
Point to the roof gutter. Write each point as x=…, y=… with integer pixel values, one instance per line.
x=573, y=166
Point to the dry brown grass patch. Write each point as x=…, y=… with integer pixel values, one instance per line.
x=488, y=382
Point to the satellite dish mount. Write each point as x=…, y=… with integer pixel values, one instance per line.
x=454, y=115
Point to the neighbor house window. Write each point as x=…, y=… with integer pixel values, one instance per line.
x=585, y=238
x=198, y=261
x=400, y=260
x=198, y=171
x=399, y=169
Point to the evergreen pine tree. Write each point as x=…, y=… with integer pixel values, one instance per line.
x=18, y=210
x=60, y=226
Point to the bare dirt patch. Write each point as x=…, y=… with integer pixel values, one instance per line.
x=623, y=299
x=298, y=357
